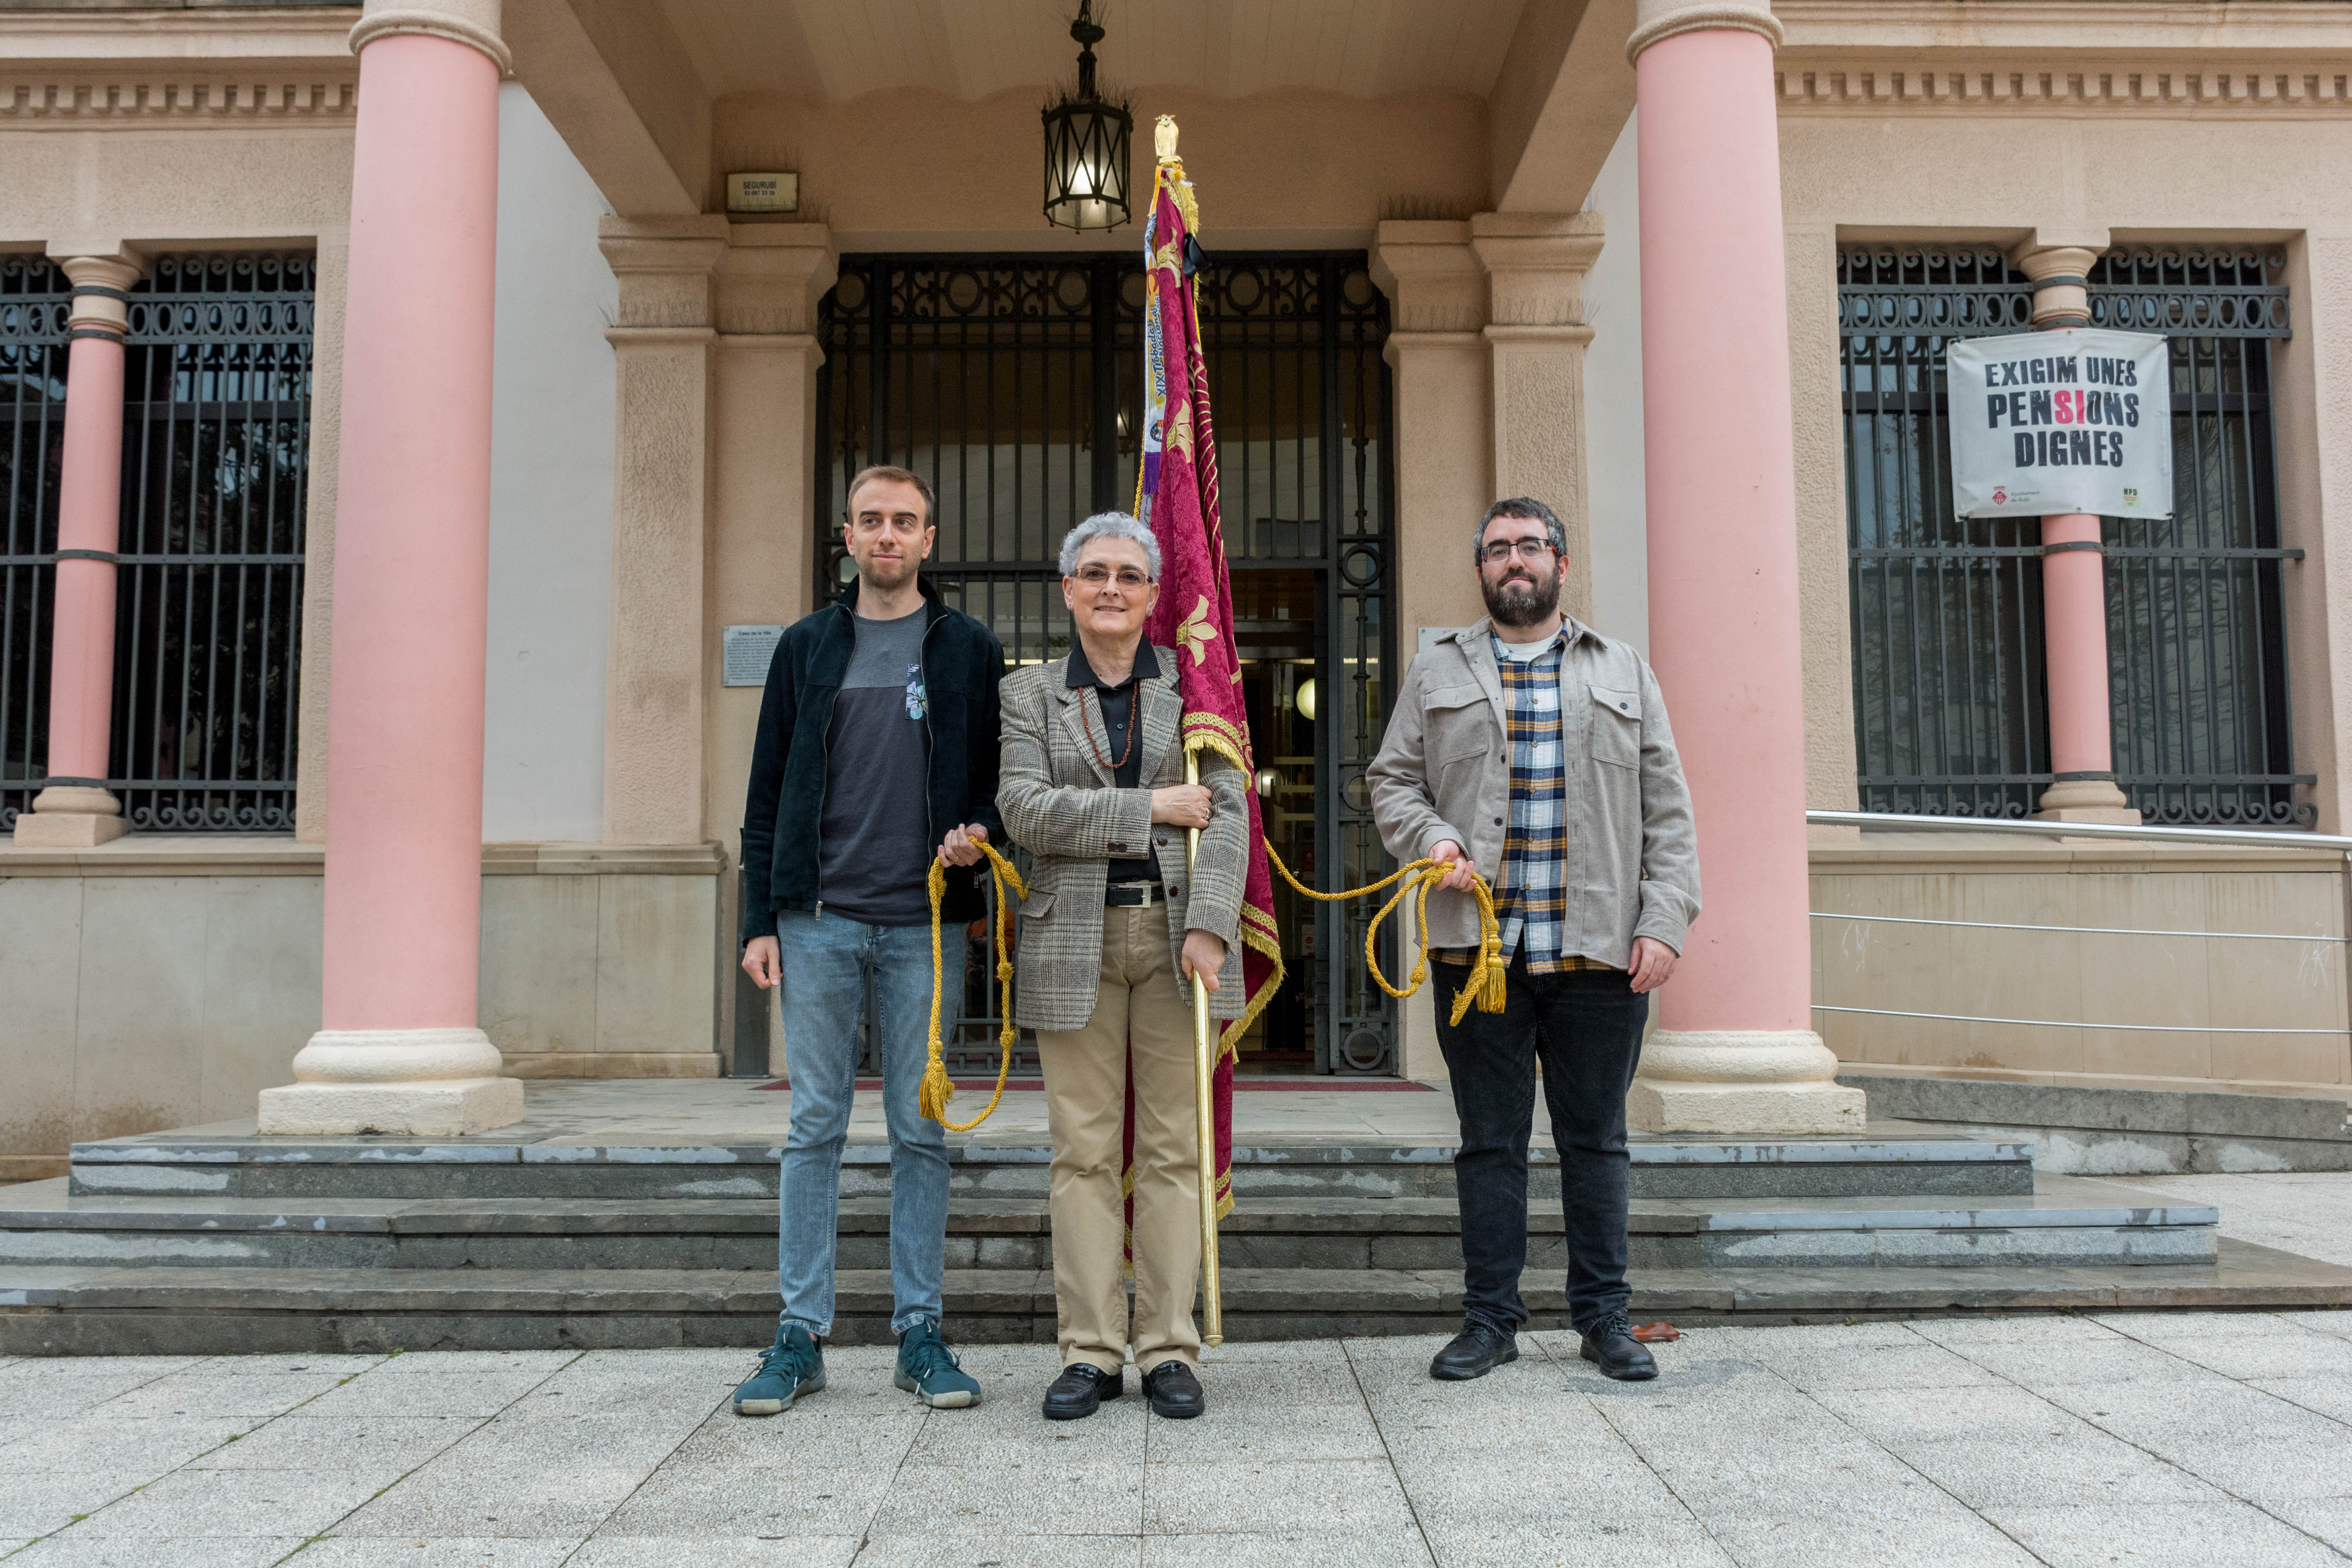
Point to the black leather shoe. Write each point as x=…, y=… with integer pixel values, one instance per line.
x=1175, y=1392
x=1080, y=1390
x=1477, y=1350
x=1610, y=1345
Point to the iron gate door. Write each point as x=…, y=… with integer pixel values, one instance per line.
x=1014, y=385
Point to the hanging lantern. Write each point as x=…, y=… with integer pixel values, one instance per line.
x=1086, y=145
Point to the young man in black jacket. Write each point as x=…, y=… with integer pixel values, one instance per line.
x=877, y=752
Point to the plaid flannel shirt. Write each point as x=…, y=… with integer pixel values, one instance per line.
x=1530, y=890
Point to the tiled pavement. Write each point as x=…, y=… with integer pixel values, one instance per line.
x=2149, y=1439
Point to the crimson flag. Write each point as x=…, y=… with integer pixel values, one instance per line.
x=1177, y=496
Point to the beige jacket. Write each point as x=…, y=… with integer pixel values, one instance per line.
x=1060, y=805
x=1445, y=772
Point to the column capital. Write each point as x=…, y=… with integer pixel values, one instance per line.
x=1657, y=20
x=772, y=276
x=2061, y=275
x=473, y=23
x=665, y=268
x=1535, y=265
x=1432, y=275
x=101, y=293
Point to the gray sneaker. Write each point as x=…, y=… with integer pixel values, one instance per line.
x=791, y=1367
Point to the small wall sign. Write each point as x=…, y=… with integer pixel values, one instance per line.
x=745, y=654
x=763, y=193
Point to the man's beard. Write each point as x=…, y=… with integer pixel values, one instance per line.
x=1520, y=602
x=884, y=575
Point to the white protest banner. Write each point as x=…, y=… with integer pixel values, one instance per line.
x=2077, y=420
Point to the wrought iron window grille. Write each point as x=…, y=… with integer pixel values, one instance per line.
x=35, y=298
x=1950, y=708
x=216, y=475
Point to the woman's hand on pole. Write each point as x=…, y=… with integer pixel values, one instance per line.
x=1180, y=805
x=1204, y=958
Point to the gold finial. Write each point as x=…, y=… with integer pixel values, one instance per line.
x=1163, y=138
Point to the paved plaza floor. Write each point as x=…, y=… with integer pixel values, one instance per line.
x=2148, y=1440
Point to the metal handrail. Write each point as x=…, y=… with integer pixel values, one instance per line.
x=2088, y=931
x=2066, y=1024
x=1897, y=821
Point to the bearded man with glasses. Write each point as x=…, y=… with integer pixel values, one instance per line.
x=1534, y=746
x=1113, y=930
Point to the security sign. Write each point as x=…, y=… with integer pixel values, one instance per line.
x=2072, y=421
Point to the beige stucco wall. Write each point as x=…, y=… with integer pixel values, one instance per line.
x=2016, y=174
x=596, y=962
x=2208, y=996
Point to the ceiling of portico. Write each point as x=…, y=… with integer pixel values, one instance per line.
x=837, y=49
x=1441, y=108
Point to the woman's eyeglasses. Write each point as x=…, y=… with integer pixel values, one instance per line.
x=1095, y=576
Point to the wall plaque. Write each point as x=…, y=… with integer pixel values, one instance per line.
x=763, y=193
x=746, y=653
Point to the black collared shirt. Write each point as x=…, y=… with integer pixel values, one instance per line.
x=1118, y=712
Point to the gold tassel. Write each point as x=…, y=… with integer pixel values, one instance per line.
x=1490, y=1000
x=937, y=1090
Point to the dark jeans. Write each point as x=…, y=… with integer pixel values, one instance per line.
x=1585, y=1026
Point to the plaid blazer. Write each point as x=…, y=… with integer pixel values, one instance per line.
x=1060, y=805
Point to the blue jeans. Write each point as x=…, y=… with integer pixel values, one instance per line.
x=825, y=961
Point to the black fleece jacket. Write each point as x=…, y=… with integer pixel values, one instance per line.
x=963, y=662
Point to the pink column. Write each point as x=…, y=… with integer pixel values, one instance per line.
x=77, y=812
x=2074, y=595
x=1736, y=1051
x=399, y=1050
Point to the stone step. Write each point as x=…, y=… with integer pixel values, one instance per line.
x=161, y=1164
x=57, y=1310
x=2069, y=1222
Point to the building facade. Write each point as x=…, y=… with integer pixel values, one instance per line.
x=455, y=803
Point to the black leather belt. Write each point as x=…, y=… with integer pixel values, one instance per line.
x=1133, y=895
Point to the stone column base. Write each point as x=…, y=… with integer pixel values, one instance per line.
x=432, y=1083
x=447, y=1108
x=1740, y=1081
x=70, y=817
x=2086, y=800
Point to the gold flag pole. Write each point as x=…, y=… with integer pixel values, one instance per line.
x=1205, y=1028
x=1204, y=1072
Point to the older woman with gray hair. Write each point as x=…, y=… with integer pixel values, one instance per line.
x=1114, y=929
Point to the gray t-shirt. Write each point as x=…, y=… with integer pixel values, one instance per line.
x=875, y=850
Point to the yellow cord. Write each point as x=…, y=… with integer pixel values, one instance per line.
x=938, y=1088
x=1485, y=983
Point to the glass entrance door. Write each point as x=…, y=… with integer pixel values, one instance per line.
x=1014, y=385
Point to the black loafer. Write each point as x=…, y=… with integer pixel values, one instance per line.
x=1079, y=1391
x=1610, y=1345
x=1477, y=1350
x=1175, y=1392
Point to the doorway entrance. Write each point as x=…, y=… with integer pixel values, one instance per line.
x=1014, y=385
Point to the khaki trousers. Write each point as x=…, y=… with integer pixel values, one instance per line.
x=1140, y=1008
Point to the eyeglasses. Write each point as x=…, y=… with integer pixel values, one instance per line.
x=1095, y=576
x=1502, y=550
